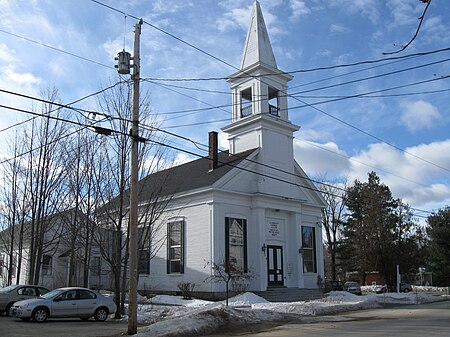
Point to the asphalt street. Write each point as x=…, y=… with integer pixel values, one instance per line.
x=424, y=320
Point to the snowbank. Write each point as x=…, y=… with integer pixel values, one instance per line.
x=173, y=316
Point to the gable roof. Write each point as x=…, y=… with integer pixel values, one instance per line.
x=191, y=175
x=182, y=178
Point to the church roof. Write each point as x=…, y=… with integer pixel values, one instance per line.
x=194, y=174
x=257, y=46
x=182, y=178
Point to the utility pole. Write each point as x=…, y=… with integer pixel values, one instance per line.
x=132, y=295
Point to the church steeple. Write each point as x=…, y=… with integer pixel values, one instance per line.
x=257, y=45
x=259, y=94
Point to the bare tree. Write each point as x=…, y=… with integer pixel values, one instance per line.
x=332, y=216
x=12, y=210
x=82, y=161
x=114, y=185
x=226, y=272
x=46, y=179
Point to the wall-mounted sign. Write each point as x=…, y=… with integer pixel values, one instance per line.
x=274, y=229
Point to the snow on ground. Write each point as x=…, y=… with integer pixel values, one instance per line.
x=174, y=316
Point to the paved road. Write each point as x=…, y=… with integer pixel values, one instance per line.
x=13, y=327
x=425, y=320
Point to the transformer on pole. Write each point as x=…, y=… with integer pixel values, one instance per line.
x=123, y=62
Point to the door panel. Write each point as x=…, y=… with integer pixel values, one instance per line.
x=275, y=266
x=65, y=305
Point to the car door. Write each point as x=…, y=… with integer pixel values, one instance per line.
x=22, y=294
x=87, y=303
x=65, y=305
x=31, y=292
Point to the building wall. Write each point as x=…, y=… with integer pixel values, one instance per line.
x=270, y=221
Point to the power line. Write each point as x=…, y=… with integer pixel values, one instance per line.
x=56, y=49
x=178, y=39
x=414, y=93
x=368, y=94
x=58, y=104
x=313, y=188
x=344, y=65
x=372, y=77
x=363, y=94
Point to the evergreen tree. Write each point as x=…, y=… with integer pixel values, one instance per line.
x=439, y=248
x=369, y=233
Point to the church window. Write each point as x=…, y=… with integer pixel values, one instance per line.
x=309, y=249
x=175, y=247
x=236, y=243
x=144, y=250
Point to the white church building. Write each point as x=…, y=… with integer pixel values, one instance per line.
x=253, y=205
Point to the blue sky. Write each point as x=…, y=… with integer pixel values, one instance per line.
x=402, y=134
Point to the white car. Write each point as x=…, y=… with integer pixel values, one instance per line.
x=65, y=302
x=20, y=292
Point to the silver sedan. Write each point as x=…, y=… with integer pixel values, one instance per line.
x=15, y=293
x=65, y=302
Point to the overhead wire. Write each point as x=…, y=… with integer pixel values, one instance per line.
x=152, y=128
x=174, y=37
x=314, y=188
x=56, y=49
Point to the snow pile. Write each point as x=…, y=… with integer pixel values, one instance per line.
x=174, y=316
x=202, y=321
x=176, y=300
x=431, y=289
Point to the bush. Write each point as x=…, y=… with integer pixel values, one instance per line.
x=186, y=290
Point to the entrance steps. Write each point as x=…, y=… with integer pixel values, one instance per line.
x=281, y=294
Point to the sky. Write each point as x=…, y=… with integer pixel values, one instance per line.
x=398, y=125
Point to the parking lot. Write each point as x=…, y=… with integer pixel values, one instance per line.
x=13, y=327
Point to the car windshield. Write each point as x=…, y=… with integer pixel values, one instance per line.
x=52, y=293
x=352, y=284
x=8, y=289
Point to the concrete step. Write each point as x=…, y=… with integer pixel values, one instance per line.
x=290, y=294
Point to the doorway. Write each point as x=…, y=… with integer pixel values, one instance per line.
x=275, y=266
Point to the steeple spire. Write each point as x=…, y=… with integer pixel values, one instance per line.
x=257, y=46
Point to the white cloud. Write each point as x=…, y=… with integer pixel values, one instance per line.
x=366, y=8
x=6, y=54
x=416, y=181
x=238, y=15
x=19, y=78
x=163, y=7
x=404, y=12
x=316, y=158
x=419, y=115
x=298, y=8
x=334, y=28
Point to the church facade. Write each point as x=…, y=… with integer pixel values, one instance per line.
x=252, y=207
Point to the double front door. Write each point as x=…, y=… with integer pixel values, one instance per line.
x=275, y=266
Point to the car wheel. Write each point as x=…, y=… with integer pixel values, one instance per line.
x=406, y=290
x=8, y=307
x=40, y=315
x=101, y=314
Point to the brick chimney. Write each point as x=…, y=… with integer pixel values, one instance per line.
x=213, y=155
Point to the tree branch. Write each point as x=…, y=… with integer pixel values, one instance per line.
x=428, y=2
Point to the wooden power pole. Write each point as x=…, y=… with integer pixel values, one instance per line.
x=132, y=295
